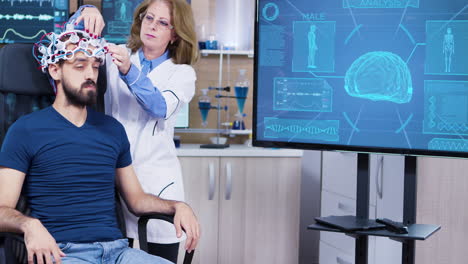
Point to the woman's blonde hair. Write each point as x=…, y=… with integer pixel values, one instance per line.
x=184, y=50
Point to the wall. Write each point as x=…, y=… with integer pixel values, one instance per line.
x=442, y=197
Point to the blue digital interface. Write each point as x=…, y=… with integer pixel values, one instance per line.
x=26, y=21
x=373, y=75
x=119, y=17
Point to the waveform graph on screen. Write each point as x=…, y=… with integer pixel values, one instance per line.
x=448, y=144
x=27, y=20
x=380, y=3
x=302, y=94
x=291, y=129
x=446, y=108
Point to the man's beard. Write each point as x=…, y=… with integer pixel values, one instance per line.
x=80, y=97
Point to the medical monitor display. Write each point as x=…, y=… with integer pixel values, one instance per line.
x=182, y=120
x=119, y=17
x=386, y=76
x=27, y=21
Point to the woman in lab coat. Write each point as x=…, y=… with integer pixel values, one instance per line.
x=148, y=81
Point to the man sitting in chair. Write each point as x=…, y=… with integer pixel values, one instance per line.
x=69, y=159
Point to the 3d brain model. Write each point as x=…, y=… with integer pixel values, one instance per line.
x=380, y=76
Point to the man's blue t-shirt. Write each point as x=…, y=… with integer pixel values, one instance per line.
x=70, y=172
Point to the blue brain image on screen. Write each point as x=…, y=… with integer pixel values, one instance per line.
x=380, y=76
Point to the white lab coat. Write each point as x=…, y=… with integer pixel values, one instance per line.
x=151, y=139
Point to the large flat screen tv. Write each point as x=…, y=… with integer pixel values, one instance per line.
x=27, y=21
x=388, y=76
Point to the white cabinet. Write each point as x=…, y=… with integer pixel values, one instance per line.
x=248, y=208
x=338, y=197
x=201, y=180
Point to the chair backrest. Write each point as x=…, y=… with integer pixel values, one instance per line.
x=24, y=88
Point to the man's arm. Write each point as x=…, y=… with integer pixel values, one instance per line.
x=38, y=240
x=11, y=182
x=139, y=202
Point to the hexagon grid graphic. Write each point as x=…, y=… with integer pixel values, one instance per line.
x=380, y=76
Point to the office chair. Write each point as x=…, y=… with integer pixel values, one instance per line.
x=24, y=89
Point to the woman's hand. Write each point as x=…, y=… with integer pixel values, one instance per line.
x=120, y=57
x=93, y=21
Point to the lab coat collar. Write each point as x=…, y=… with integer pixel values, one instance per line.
x=156, y=62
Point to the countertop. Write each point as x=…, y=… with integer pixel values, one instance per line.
x=235, y=150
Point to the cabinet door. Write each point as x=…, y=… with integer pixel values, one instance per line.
x=339, y=173
x=201, y=182
x=259, y=210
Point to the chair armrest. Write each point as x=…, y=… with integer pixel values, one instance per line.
x=142, y=231
x=14, y=248
x=142, y=224
x=13, y=236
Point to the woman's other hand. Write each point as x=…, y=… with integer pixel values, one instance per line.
x=120, y=57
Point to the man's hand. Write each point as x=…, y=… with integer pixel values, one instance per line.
x=40, y=243
x=185, y=219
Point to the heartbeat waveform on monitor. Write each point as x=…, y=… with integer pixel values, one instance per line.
x=448, y=144
x=39, y=33
x=453, y=127
x=12, y=2
x=302, y=94
x=300, y=129
x=42, y=17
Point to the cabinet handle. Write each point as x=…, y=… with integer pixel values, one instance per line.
x=228, y=181
x=379, y=177
x=211, y=190
x=345, y=208
x=342, y=261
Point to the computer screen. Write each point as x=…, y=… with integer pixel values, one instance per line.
x=182, y=120
x=388, y=76
x=26, y=21
x=119, y=17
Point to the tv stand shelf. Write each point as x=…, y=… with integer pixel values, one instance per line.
x=415, y=232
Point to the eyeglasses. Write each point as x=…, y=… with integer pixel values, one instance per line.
x=148, y=19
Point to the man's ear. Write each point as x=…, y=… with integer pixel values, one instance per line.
x=55, y=71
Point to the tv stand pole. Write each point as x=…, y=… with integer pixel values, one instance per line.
x=409, y=206
x=362, y=205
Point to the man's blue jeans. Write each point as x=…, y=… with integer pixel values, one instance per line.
x=113, y=252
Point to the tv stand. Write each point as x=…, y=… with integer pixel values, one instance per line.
x=415, y=231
